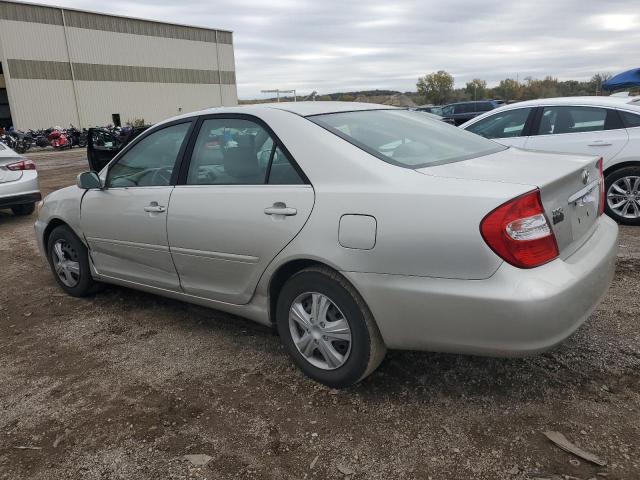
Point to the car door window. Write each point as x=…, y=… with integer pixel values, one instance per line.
x=571, y=119
x=151, y=161
x=231, y=151
x=502, y=125
x=282, y=172
x=448, y=110
x=630, y=120
x=103, y=140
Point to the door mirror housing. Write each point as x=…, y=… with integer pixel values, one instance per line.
x=88, y=181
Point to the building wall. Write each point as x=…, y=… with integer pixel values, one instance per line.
x=67, y=66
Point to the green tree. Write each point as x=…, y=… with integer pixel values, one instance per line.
x=509, y=89
x=436, y=87
x=596, y=82
x=476, y=89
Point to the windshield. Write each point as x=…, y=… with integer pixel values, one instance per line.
x=405, y=138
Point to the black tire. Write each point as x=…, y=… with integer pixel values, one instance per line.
x=78, y=252
x=25, y=209
x=367, y=347
x=633, y=171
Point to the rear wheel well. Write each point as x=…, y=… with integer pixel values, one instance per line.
x=618, y=166
x=279, y=278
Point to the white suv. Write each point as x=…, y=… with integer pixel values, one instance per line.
x=604, y=126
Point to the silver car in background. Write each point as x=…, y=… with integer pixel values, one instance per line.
x=351, y=228
x=19, y=189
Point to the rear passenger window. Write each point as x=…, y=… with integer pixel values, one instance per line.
x=559, y=120
x=630, y=120
x=282, y=172
x=230, y=151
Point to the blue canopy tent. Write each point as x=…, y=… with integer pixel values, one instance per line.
x=628, y=79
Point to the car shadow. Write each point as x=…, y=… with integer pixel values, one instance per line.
x=8, y=218
x=403, y=374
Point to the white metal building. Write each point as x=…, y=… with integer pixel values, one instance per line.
x=61, y=66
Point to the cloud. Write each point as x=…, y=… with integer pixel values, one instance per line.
x=332, y=45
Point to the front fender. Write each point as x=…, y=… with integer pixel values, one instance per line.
x=61, y=206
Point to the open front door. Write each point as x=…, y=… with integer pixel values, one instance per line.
x=102, y=146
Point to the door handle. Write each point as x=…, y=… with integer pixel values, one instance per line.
x=153, y=207
x=599, y=143
x=280, y=208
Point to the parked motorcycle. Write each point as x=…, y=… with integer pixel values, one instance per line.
x=58, y=139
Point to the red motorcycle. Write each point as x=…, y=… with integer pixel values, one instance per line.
x=58, y=139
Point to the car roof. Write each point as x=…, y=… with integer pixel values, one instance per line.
x=318, y=108
x=611, y=101
x=303, y=109
x=470, y=101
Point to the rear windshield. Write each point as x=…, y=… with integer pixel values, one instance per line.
x=406, y=138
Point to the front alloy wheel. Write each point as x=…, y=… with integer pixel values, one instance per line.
x=65, y=263
x=69, y=262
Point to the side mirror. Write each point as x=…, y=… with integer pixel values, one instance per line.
x=88, y=181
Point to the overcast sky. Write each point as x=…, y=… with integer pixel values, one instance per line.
x=340, y=45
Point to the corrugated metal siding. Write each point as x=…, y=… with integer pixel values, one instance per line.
x=108, y=48
x=96, y=21
x=33, y=41
x=42, y=103
x=151, y=101
x=114, y=69
x=40, y=69
x=30, y=13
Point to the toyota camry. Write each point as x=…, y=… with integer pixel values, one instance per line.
x=350, y=228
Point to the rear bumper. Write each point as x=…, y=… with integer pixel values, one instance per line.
x=513, y=313
x=22, y=191
x=6, y=202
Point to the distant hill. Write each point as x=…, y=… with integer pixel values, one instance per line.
x=383, y=97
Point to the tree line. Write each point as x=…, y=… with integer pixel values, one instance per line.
x=438, y=88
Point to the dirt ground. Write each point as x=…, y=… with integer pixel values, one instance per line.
x=123, y=385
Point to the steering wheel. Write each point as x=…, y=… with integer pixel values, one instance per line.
x=162, y=176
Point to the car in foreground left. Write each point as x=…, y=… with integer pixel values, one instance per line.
x=19, y=189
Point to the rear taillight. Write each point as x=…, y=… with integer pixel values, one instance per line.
x=519, y=232
x=22, y=165
x=602, y=199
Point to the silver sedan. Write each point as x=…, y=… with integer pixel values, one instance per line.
x=19, y=189
x=351, y=228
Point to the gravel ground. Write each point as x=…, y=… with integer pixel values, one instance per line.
x=125, y=384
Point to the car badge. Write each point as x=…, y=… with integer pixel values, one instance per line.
x=557, y=215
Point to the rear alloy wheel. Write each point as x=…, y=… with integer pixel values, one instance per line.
x=320, y=331
x=69, y=262
x=327, y=328
x=623, y=195
x=25, y=209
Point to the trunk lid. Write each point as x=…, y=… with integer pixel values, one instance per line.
x=7, y=175
x=568, y=183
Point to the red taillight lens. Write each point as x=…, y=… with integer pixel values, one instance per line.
x=602, y=198
x=519, y=232
x=22, y=165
